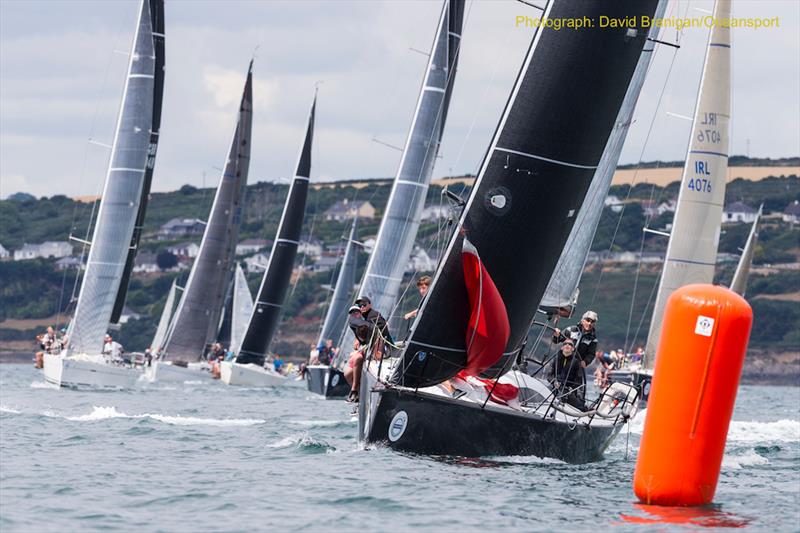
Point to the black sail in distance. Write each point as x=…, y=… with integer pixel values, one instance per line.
x=275, y=283
x=197, y=318
x=157, y=22
x=532, y=181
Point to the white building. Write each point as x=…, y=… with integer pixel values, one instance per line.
x=145, y=262
x=792, y=213
x=184, y=249
x=613, y=202
x=310, y=248
x=739, y=212
x=4, y=254
x=435, y=212
x=251, y=246
x=56, y=249
x=256, y=263
x=420, y=261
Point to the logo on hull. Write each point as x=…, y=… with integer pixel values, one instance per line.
x=398, y=426
x=335, y=380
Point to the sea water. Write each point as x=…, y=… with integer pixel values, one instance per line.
x=201, y=456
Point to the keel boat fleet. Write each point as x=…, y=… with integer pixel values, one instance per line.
x=459, y=382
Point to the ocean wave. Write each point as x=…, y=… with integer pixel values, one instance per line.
x=6, y=409
x=304, y=443
x=107, y=413
x=44, y=385
x=744, y=431
x=739, y=461
x=321, y=423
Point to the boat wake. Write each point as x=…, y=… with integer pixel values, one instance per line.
x=303, y=443
x=44, y=385
x=6, y=409
x=739, y=461
x=744, y=431
x=106, y=413
x=323, y=423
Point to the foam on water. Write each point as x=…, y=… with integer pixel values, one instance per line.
x=321, y=423
x=739, y=461
x=106, y=413
x=44, y=385
x=744, y=431
x=6, y=409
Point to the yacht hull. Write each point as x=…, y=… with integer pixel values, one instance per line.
x=326, y=381
x=251, y=375
x=423, y=423
x=164, y=372
x=76, y=373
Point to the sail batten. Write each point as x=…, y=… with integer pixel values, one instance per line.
x=521, y=209
x=692, y=249
x=274, y=287
x=122, y=193
x=197, y=318
x=384, y=272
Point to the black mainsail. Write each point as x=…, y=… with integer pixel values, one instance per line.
x=197, y=318
x=532, y=182
x=157, y=26
x=275, y=283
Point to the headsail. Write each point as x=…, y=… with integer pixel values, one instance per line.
x=122, y=194
x=562, y=291
x=275, y=283
x=241, y=309
x=166, y=317
x=398, y=230
x=157, y=26
x=739, y=282
x=197, y=319
x=340, y=302
x=543, y=156
x=692, y=250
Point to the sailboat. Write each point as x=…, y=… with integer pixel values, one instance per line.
x=327, y=379
x=447, y=390
x=694, y=238
x=131, y=164
x=196, y=321
x=739, y=281
x=384, y=273
x=248, y=366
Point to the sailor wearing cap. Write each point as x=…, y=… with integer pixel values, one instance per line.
x=584, y=336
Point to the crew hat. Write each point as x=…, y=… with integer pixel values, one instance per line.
x=363, y=300
x=354, y=309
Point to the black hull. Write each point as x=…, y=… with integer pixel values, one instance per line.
x=440, y=426
x=640, y=380
x=327, y=381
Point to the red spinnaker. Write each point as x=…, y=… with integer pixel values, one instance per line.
x=488, y=328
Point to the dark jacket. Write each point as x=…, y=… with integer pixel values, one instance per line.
x=567, y=370
x=361, y=328
x=585, y=342
x=378, y=321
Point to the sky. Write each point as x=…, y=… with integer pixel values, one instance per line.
x=63, y=63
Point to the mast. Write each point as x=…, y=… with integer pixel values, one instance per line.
x=692, y=250
x=340, y=302
x=398, y=230
x=562, y=292
x=198, y=316
x=157, y=25
x=533, y=180
x=739, y=282
x=241, y=309
x=122, y=194
x=272, y=292
x=166, y=317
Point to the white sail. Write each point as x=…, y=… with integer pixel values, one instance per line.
x=163, y=323
x=692, y=249
x=242, y=309
x=121, y=196
x=739, y=282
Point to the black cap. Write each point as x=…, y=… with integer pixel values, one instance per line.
x=363, y=300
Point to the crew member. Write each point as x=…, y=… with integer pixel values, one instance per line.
x=423, y=284
x=568, y=375
x=583, y=335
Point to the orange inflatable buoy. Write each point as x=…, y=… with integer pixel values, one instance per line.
x=698, y=364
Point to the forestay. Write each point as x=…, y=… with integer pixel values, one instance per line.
x=198, y=316
x=544, y=154
x=122, y=194
x=692, y=250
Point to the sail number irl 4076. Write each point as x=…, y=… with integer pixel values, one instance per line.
x=700, y=184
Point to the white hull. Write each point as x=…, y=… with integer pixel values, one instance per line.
x=251, y=375
x=88, y=372
x=165, y=371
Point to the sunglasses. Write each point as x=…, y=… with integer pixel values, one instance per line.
x=590, y=320
x=363, y=305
